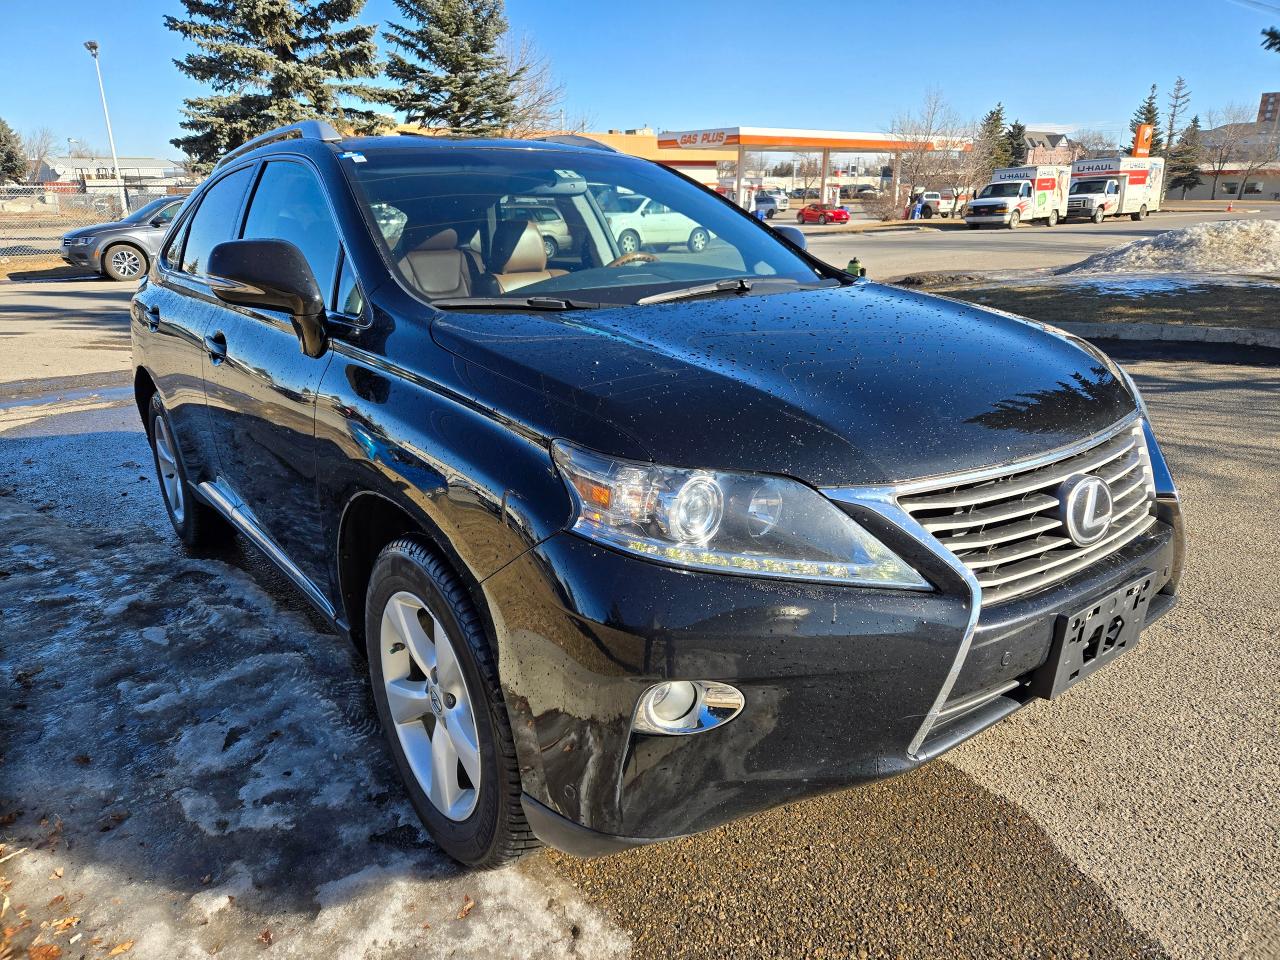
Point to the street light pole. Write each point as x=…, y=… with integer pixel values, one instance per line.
x=92, y=47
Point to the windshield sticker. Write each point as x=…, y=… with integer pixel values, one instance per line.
x=352, y=156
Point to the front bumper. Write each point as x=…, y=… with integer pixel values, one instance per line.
x=986, y=218
x=838, y=680
x=85, y=256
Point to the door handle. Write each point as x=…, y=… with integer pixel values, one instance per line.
x=153, y=318
x=216, y=347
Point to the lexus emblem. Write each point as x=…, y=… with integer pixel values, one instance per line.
x=1084, y=507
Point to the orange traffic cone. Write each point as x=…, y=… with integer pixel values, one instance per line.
x=1228, y=206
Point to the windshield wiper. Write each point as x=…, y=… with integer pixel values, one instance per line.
x=512, y=303
x=735, y=285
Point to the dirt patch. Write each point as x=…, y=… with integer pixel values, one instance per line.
x=1200, y=304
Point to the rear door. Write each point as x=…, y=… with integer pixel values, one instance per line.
x=260, y=386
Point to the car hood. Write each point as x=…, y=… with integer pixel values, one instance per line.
x=858, y=384
x=98, y=228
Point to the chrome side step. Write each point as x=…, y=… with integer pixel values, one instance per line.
x=231, y=507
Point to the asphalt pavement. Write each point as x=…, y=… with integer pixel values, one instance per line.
x=1137, y=816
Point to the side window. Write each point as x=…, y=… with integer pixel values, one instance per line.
x=350, y=300
x=214, y=220
x=173, y=251
x=289, y=205
x=169, y=212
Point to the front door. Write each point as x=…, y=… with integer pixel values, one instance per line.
x=259, y=386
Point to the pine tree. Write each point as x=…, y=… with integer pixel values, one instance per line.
x=1184, y=160
x=991, y=139
x=270, y=63
x=13, y=161
x=1271, y=38
x=1149, y=112
x=1178, y=100
x=450, y=76
x=1016, y=139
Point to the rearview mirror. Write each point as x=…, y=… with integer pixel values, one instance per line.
x=794, y=235
x=271, y=275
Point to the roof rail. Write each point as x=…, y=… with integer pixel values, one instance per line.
x=306, y=130
x=576, y=140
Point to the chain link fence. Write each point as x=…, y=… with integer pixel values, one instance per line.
x=33, y=218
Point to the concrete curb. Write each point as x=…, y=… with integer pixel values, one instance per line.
x=1175, y=333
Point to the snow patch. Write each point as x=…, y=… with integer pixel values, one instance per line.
x=1227, y=246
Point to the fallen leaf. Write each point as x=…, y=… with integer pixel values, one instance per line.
x=265, y=937
x=83, y=759
x=120, y=948
x=44, y=951
x=9, y=819
x=426, y=926
x=467, y=906
x=66, y=923
x=56, y=900
x=204, y=881
x=56, y=875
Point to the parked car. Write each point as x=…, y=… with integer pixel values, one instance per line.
x=648, y=543
x=767, y=204
x=780, y=198
x=122, y=249
x=822, y=213
x=640, y=221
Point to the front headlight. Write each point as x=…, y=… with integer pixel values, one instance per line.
x=81, y=241
x=741, y=523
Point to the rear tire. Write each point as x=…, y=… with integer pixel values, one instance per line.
x=123, y=262
x=1052, y=218
x=195, y=522
x=927, y=213
x=550, y=247
x=427, y=645
x=1141, y=214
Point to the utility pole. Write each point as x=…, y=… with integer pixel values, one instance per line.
x=92, y=47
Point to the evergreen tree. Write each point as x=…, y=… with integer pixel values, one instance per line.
x=451, y=76
x=1271, y=38
x=991, y=139
x=1149, y=112
x=1178, y=100
x=1184, y=160
x=13, y=161
x=1016, y=139
x=270, y=63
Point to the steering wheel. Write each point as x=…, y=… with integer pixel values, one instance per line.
x=635, y=256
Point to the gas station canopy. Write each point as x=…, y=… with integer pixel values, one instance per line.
x=826, y=142
x=799, y=141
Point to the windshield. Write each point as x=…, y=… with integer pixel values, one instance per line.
x=598, y=227
x=1089, y=186
x=1008, y=189
x=151, y=209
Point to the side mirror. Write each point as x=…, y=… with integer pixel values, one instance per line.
x=271, y=275
x=794, y=235
x=157, y=222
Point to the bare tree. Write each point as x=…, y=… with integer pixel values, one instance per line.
x=1087, y=144
x=1225, y=139
x=1259, y=150
x=932, y=135
x=539, y=95
x=37, y=146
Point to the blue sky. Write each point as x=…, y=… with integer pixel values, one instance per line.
x=677, y=65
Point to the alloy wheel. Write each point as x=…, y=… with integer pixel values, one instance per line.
x=167, y=459
x=126, y=263
x=430, y=705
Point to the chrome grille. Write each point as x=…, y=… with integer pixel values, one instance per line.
x=1005, y=528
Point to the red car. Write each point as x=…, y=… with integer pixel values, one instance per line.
x=822, y=213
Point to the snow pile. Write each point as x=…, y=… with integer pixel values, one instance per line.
x=1228, y=246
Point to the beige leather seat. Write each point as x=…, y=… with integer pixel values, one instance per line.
x=518, y=257
x=438, y=268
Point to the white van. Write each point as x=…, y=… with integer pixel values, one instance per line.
x=1016, y=194
x=1115, y=186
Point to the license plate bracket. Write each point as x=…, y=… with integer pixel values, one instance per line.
x=1089, y=639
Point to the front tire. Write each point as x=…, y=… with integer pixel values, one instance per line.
x=629, y=241
x=435, y=685
x=698, y=240
x=123, y=262
x=926, y=213
x=1014, y=219
x=1098, y=215
x=195, y=522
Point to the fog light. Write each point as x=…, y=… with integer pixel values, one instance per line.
x=679, y=707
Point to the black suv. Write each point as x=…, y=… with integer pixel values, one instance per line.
x=636, y=542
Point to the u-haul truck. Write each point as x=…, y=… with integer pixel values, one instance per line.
x=1115, y=186
x=1017, y=194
